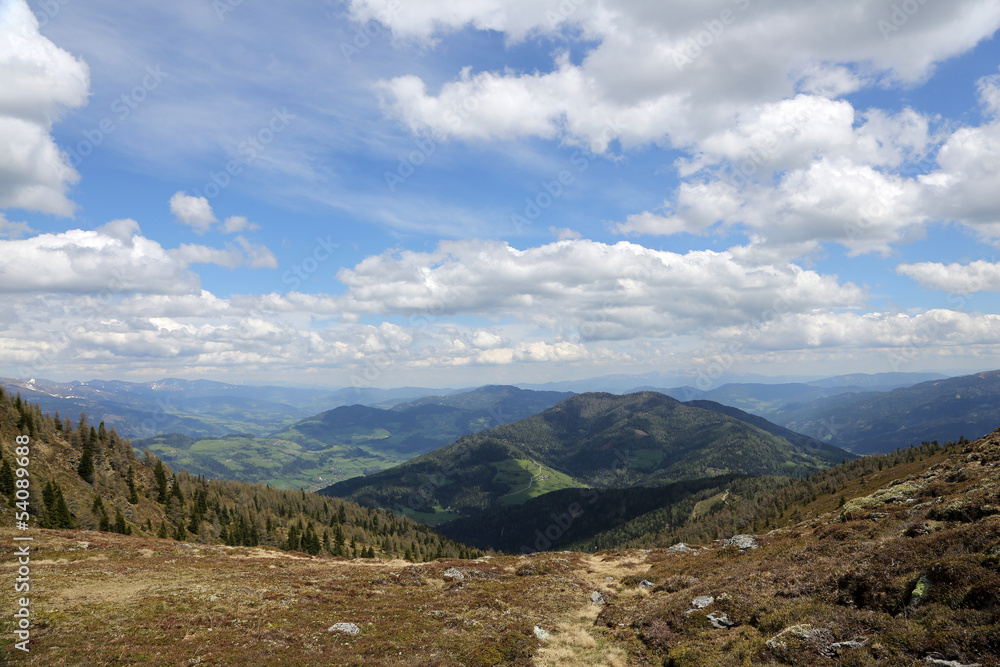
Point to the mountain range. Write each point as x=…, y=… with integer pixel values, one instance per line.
x=349, y=440
x=589, y=442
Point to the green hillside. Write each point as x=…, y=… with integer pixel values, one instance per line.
x=871, y=423
x=591, y=440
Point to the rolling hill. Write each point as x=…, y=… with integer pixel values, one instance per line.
x=348, y=441
x=870, y=423
x=196, y=408
x=586, y=441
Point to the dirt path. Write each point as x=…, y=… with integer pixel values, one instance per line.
x=574, y=641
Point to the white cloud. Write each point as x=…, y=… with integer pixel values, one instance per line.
x=114, y=259
x=39, y=81
x=13, y=230
x=671, y=72
x=956, y=278
x=237, y=223
x=240, y=253
x=194, y=212
x=610, y=292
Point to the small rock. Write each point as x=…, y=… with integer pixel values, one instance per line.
x=453, y=574
x=609, y=578
x=83, y=545
x=541, y=634
x=795, y=639
x=597, y=598
x=346, y=628
x=920, y=591
x=646, y=583
x=719, y=620
x=744, y=542
x=702, y=601
x=941, y=662
x=833, y=650
x=680, y=548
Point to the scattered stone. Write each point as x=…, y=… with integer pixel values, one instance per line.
x=83, y=545
x=541, y=634
x=920, y=591
x=797, y=639
x=597, y=598
x=702, y=601
x=744, y=542
x=346, y=628
x=941, y=662
x=680, y=548
x=875, y=516
x=719, y=620
x=610, y=578
x=453, y=574
x=646, y=583
x=833, y=650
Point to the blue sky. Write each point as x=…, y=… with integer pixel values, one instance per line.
x=390, y=193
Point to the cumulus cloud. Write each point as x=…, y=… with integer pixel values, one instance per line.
x=237, y=223
x=13, y=230
x=956, y=278
x=671, y=72
x=39, y=81
x=194, y=212
x=609, y=292
x=114, y=259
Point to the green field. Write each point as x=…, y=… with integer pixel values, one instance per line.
x=528, y=479
x=276, y=461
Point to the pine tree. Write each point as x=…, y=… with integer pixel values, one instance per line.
x=133, y=495
x=6, y=479
x=160, y=475
x=86, y=467
x=120, y=525
x=175, y=491
x=163, y=533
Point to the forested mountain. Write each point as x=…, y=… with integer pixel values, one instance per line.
x=196, y=408
x=86, y=476
x=881, y=422
x=589, y=440
x=350, y=440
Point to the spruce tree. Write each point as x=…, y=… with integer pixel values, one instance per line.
x=86, y=467
x=133, y=495
x=6, y=479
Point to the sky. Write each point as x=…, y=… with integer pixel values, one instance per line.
x=389, y=192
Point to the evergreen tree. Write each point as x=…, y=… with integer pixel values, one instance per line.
x=120, y=525
x=86, y=467
x=160, y=475
x=6, y=479
x=163, y=533
x=133, y=495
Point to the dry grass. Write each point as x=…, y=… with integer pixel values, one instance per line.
x=141, y=601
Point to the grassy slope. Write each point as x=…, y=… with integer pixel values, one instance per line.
x=838, y=576
x=602, y=440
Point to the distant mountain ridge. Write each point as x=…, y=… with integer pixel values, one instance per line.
x=588, y=440
x=870, y=423
x=349, y=440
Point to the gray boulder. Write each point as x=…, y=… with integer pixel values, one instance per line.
x=345, y=628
